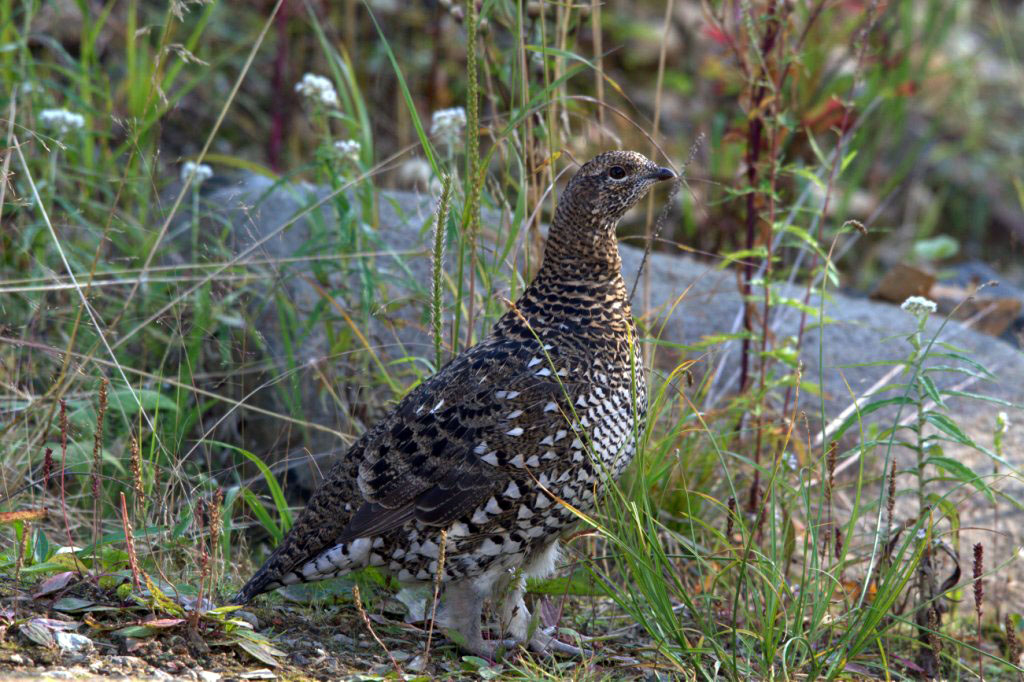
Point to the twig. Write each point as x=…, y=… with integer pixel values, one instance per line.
x=129, y=540
x=437, y=590
x=369, y=626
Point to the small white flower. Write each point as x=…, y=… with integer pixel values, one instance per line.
x=348, y=149
x=202, y=171
x=791, y=462
x=917, y=305
x=921, y=533
x=447, y=124
x=61, y=120
x=318, y=88
x=1002, y=422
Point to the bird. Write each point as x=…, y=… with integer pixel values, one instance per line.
x=496, y=453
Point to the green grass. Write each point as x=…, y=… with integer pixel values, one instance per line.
x=717, y=554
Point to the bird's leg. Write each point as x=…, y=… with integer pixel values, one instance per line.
x=517, y=621
x=460, y=613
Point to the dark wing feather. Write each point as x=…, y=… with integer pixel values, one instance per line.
x=425, y=461
x=439, y=505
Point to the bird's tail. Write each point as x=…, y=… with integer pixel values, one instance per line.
x=282, y=569
x=262, y=581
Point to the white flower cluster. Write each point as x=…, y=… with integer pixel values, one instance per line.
x=202, y=171
x=348, y=149
x=61, y=120
x=318, y=88
x=917, y=305
x=447, y=124
x=1002, y=422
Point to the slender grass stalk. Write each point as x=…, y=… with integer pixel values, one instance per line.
x=437, y=270
x=97, y=464
x=474, y=174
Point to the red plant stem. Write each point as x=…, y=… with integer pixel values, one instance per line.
x=281, y=101
x=755, y=131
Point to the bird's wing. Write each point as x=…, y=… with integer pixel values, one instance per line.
x=439, y=455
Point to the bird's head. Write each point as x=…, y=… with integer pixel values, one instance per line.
x=611, y=183
x=582, y=236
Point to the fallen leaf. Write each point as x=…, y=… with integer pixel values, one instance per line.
x=163, y=622
x=54, y=584
x=38, y=633
x=257, y=651
x=71, y=604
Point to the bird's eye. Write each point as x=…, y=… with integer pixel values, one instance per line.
x=616, y=172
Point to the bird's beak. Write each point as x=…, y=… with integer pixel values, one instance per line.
x=662, y=174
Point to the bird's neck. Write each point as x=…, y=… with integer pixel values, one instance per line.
x=580, y=281
x=569, y=256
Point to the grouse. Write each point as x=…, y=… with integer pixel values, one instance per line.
x=496, y=451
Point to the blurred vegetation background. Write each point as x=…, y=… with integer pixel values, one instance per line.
x=896, y=125
x=935, y=111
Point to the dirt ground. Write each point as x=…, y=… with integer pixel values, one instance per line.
x=315, y=643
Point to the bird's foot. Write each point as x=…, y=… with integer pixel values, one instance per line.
x=544, y=642
x=488, y=649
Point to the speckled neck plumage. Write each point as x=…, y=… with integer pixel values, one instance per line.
x=581, y=245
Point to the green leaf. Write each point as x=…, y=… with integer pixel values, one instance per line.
x=428, y=148
x=868, y=409
x=935, y=248
x=256, y=507
x=822, y=159
x=135, y=632
x=148, y=400
x=984, y=398
x=961, y=472
x=580, y=583
x=931, y=390
x=476, y=662
x=71, y=604
x=847, y=160
x=806, y=237
x=809, y=176
x=757, y=253
x=948, y=427
x=967, y=360
x=275, y=490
